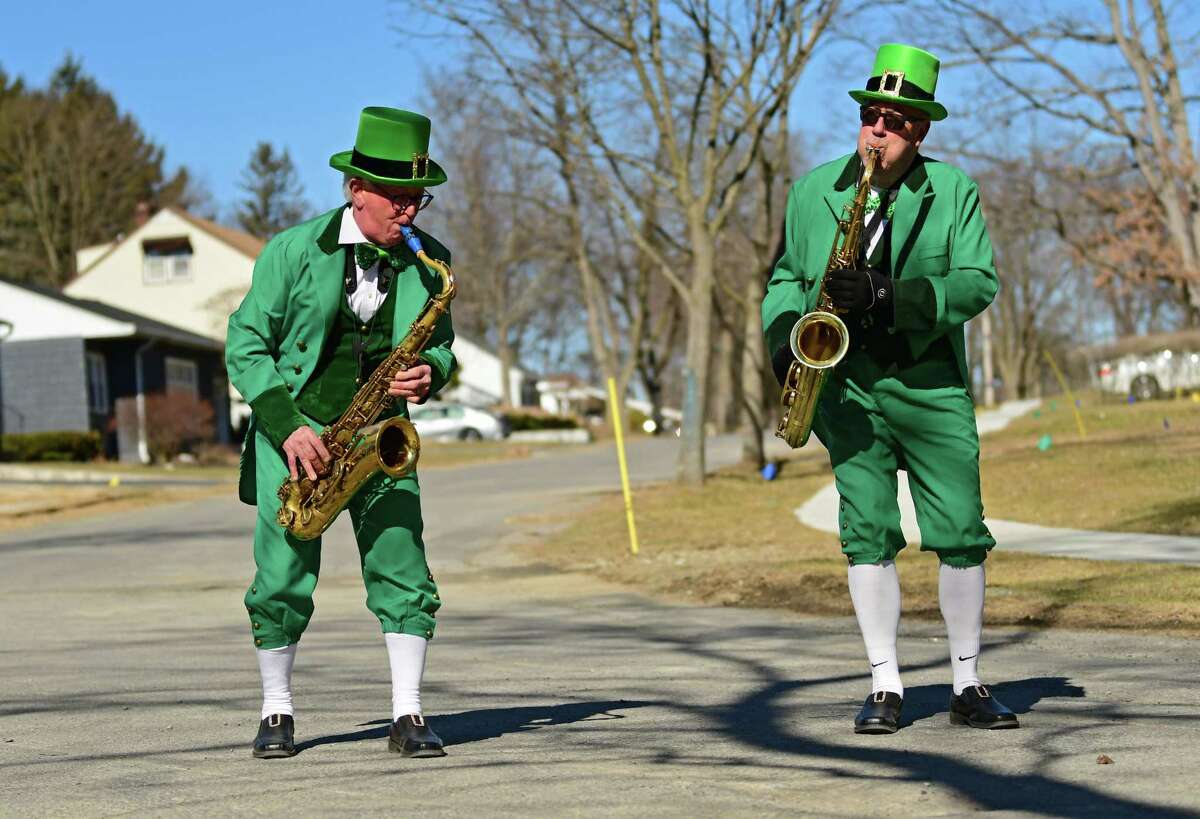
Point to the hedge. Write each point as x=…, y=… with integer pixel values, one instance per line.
x=524, y=421
x=50, y=446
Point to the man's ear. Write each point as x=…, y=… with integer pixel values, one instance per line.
x=920, y=132
x=356, y=189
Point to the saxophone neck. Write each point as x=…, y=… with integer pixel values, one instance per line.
x=439, y=267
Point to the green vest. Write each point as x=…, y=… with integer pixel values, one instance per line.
x=338, y=374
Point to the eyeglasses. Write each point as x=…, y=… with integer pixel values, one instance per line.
x=404, y=200
x=892, y=120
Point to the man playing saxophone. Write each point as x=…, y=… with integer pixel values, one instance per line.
x=329, y=300
x=899, y=398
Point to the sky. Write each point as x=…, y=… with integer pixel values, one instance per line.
x=208, y=81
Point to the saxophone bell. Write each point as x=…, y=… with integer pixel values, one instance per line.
x=819, y=339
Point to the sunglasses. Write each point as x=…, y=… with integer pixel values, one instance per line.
x=404, y=200
x=892, y=120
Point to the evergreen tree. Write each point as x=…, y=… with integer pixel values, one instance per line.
x=73, y=170
x=274, y=196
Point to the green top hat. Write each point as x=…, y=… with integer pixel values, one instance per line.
x=392, y=148
x=906, y=75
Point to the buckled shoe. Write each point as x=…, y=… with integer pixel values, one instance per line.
x=276, y=737
x=976, y=707
x=880, y=714
x=411, y=736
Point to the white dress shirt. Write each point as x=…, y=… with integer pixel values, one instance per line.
x=367, y=297
x=877, y=234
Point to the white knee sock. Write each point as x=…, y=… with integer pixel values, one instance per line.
x=960, y=592
x=275, y=666
x=875, y=592
x=406, y=654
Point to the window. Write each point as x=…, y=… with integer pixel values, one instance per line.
x=97, y=383
x=166, y=260
x=182, y=376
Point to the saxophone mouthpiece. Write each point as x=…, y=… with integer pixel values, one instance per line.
x=410, y=239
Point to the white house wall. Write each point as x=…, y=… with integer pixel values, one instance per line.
x=216, y=268
x=84, y=257
x=35, y=317
x=480, y=374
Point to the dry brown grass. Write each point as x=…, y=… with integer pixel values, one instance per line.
x=1132, y=473
x=24, y=505
x=736, y=540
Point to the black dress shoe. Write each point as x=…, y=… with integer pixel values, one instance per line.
x=976, y=707
x=411, y=736
x=880, y=714
x=276, y=737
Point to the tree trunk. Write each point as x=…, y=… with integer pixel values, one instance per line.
x=753, y=407
x=504, y=352
x=691, y=466
x=985, y=347
x=721, y=396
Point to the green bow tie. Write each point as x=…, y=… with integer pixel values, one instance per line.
x=873, y=204
x=367, y=254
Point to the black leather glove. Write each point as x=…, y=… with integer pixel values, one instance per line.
x=860, y=290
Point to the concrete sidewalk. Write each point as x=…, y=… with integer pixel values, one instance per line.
x=821, y=512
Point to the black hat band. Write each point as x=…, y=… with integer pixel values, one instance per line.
x=418, y=168
x=906, y=89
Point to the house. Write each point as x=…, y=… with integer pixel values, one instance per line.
x=69, y=364
x=183, y=270
x=568, y=394
x=192, y=273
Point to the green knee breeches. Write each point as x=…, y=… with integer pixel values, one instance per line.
x=386, y=516
x=920, y=419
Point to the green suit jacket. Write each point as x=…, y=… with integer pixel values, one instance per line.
x=941, y=254
x=277, y=333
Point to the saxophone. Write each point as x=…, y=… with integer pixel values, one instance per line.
x=819, y=340
x=358, y=447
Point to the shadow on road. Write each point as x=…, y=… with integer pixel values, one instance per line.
x=925, y=701
x=491, y=723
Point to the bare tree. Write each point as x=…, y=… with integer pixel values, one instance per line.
x=1110, y=71
x=498, y=222
x=530, y=51
x=713, y=78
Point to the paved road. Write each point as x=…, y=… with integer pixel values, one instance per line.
x=128, y=686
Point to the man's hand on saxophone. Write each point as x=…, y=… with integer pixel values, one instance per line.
x=304, y=447
x=857, y=291
x=412, y=384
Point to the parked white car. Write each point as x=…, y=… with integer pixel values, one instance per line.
x=1150, y=367
x=439, y=421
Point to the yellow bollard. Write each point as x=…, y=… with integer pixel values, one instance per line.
x=1062, y=382
x=620, y=435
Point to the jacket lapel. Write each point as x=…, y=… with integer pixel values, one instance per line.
x=843, y=189
x=327, y=267
x=913, y=202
